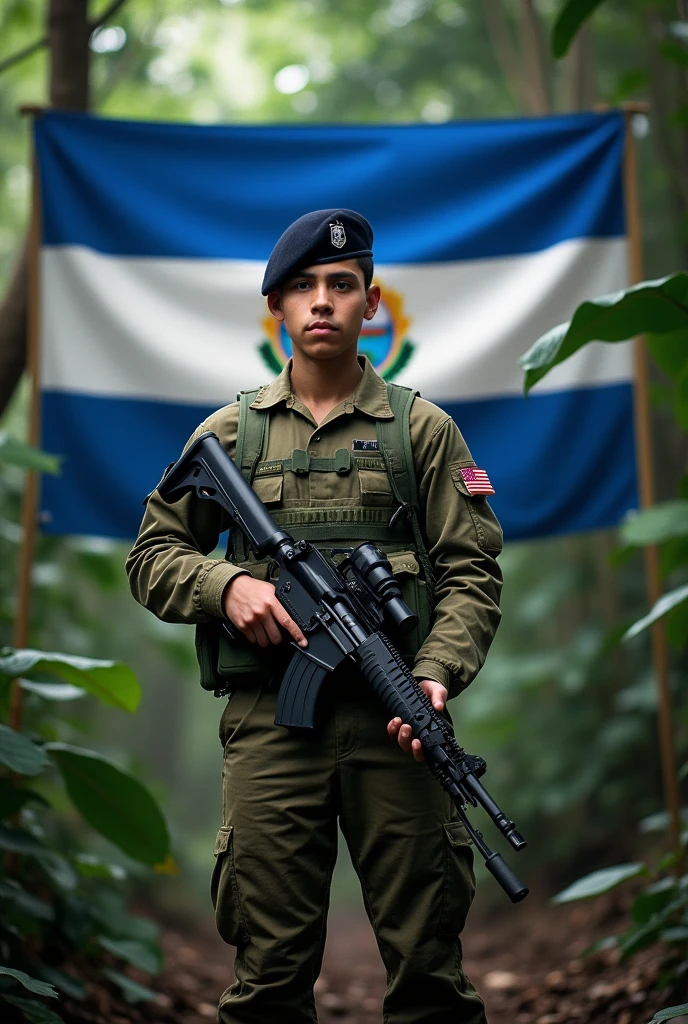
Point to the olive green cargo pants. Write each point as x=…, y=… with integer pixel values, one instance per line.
x=282, y=796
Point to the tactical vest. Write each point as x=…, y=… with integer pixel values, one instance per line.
x=396, y=529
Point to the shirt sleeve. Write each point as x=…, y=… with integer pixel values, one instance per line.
x=464, y=539
x=168, y=568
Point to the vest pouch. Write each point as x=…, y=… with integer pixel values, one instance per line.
x=220, y=659
x=414, y=590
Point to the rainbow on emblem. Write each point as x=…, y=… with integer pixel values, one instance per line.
x=383, y=339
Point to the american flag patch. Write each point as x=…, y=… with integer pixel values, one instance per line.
x=477, y=481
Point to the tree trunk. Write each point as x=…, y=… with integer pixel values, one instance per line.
x=68, y=35
x=535, y=60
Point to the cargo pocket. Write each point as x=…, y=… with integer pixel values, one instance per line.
x=224, y=892
x=414, y=591
x=269, y=488
x=375, y=487
x=459, y=880
x=487, y=529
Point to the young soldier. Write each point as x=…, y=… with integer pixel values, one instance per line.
x=323, y=447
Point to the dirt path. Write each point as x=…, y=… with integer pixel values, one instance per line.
x=524, y=965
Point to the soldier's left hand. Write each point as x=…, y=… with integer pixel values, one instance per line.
x=438, y=698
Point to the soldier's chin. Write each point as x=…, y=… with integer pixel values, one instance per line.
x=324, y=347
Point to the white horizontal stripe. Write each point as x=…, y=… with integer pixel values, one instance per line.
x=189, y=330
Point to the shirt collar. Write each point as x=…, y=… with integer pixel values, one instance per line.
x=370, y=395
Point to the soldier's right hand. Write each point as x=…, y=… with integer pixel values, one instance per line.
x=253, y=608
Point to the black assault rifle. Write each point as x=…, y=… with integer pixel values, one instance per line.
x=342, y=610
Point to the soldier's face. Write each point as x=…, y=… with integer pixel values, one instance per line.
x=323, y=308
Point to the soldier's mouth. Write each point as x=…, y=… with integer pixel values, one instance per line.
x=321, y=327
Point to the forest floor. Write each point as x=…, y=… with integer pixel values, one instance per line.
x=524, y=962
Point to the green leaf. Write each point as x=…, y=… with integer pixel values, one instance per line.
x=569, y=20
x=17, y=841
x=653, y=899
x=90, y=866
x=13, y=798
x=59, y=870
x=656, y=524
x=679, y=933
x=62, y=981
x=676, y=626
x=112, y=682
x=17, y=453
x=639, y=938
x=681, y=400
x=39, y=988
x=25, y=901
x=659, y=306
x=114, y=803
x=33, y=1011
x=665, y=603
x=628, y=83
x=53, y=691
x=670, y=352
x=131, y=990
x=19, y=754
x=675, y=52
x=598, y=882
x=139, y=954
x=670, y=1013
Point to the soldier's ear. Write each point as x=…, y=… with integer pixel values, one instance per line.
x=275, y=305
x=372, y=302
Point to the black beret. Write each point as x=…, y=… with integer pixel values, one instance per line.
x=322, y=236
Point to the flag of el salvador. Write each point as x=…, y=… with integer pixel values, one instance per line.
x=154, y=238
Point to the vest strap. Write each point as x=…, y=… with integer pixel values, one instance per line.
x=394, y=438
x=251, y=439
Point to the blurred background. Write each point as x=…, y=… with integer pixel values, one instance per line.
x=565, y=717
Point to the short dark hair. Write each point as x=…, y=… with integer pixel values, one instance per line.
x=366, y=265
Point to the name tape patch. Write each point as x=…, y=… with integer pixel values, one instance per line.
x=365, y=446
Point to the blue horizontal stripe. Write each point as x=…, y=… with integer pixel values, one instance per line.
x=560, y=463
x=458, y=191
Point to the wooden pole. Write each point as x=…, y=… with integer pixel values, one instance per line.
x=30, y=497
x=643, y=435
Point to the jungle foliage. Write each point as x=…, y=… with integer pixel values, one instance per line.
x=564, y=715
x=61, y=895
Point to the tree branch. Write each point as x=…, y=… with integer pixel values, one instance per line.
x=27, y=51
x=15, y=58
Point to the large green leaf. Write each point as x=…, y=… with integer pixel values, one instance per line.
x=656, y=524
x=659, y=306
x=569, y=20
x=113, y=802
x=665, y=604
x=53, y=691
x=669, y=351
x=16, y=894
x=130, y=989
x=39, y=988
x=19, y=754
x=598, y=882
x=670, y=1013
x=140, y=954
x=33, y=1011
x=13, y=798
x=15, y=840
x=681, y=397
x=17, y=453
x=112, y=682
